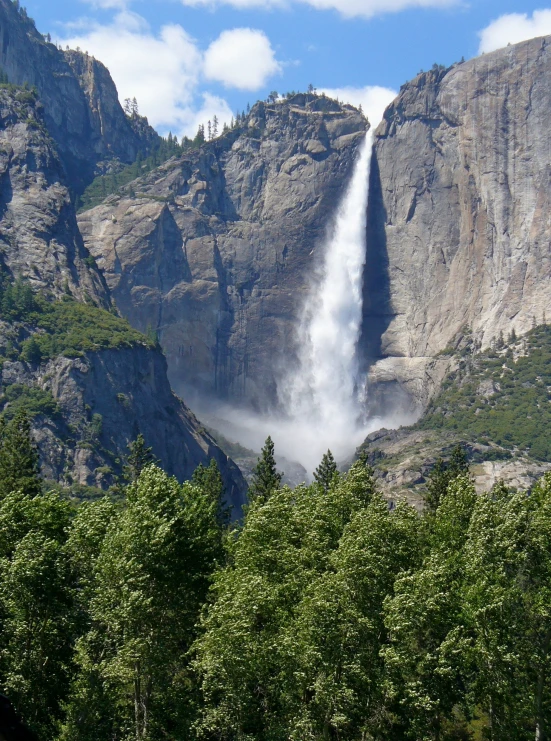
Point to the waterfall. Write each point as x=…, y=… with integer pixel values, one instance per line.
x=321, y=396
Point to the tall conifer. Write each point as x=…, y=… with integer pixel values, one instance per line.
x=266, y=477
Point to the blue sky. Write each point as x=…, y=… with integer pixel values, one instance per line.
x=186, y=60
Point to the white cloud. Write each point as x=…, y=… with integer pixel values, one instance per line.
x=513, y=28
x=241, y=58
x=372, y=98
x=164, y=71
x=211, y=106
x=109, y=4
x=347, y=8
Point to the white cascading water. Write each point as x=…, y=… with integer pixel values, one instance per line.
x=321, y=397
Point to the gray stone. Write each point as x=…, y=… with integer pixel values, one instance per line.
x=126, y=392
x=216, y=249
x=39, y=236
x=459, y=218
x=82, y=110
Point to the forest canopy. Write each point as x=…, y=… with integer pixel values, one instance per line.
x=325, y=614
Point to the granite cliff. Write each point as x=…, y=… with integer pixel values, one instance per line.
x=105, y=399
x=215, y=250
x=39, y=236
x=96, y=383
x=459, y=216
x=81, y=106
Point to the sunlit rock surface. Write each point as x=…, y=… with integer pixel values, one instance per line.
x=215, y=250
x=460, y=212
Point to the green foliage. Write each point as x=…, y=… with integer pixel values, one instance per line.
x=261, y=664
x=150, y=579
x=266, y=477
x=209, y=479
x=19, y=467
x=326, y=472
x=139, y=456
x=31, y=399
x=72, y=329
x=104, y=185
x=17, y=300
x=497, y=398
x=36, y=607
x=442, y=475
x=61, y=327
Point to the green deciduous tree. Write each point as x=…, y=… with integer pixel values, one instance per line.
x=255, y=673
x=423, y=671
x=36, y=599
x=36, y=607
x=150, y=579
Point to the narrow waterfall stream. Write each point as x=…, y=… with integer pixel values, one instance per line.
x=321, y=397
x=324, y=388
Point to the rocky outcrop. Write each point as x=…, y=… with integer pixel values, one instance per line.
x=105, y=399
x=215, y=249
x=459, y=214
x=403, y=460
x=39, y=236
x=81, y=106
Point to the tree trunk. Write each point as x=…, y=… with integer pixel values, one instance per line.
x=540, y=729
x=137, y=702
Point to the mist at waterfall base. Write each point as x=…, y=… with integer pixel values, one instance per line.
x=322, y=398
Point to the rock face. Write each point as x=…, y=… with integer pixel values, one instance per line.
x=105, y=400
x=459, y=216
x=216, y=248
x=403, y=460
x=126, y=389
x=82, y=110
x=39, y=236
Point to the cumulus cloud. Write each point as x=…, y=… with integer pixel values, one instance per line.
x=347, y=8
x=372, y=98
x=241, y=58
x=513, y=28
x=164, y=71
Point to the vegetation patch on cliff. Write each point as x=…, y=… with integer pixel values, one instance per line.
x=63, y=327
x=31, y=399
x=502, y=396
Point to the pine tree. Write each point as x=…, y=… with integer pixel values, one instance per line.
x=200, y=135
x=209, y=130
x=215, y=127
x=208, y=478
x=19, y=462
x=442, y=475
x=31, y=352
x=139, y=457
x=326, y=472
x=266, y=477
